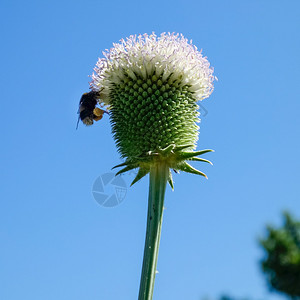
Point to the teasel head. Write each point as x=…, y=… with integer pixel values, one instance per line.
x=151, y=85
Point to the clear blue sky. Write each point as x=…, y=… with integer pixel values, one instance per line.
x=57, y=243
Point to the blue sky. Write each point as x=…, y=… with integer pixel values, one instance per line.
x=57, y=242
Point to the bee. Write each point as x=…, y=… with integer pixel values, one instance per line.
x=88, y=112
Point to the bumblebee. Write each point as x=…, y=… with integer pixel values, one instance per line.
x=88, y=112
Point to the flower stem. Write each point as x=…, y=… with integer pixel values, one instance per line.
x=158, y=179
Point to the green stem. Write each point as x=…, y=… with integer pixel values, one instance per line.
x=158, y=179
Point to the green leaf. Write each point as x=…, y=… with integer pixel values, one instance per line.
x=128, y=168
x=200, y=159
x=167, y=150
x=184, y=166
x=141, y=173
x=204, y=151
x=120, y=165
x=179, y=148
x=190, y=154
x=170, y=180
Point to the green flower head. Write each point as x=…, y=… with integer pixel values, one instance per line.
x=151, y=86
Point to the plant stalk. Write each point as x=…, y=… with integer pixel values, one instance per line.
x=158, y=179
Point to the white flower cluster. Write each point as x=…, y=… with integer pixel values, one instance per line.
x=170, y=56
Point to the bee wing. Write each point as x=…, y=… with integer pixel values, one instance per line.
x=77, y=122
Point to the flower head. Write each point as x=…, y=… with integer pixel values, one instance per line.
x=169, y=57
x=151, y=86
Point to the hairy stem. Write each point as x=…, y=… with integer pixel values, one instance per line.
x=158, y=179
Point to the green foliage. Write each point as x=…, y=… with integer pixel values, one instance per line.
x=173, y=156
x=281, y=264
x=226, y=297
